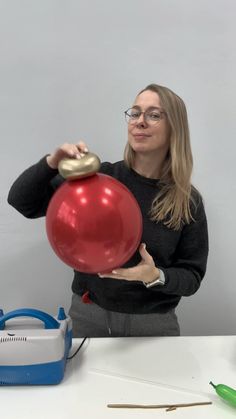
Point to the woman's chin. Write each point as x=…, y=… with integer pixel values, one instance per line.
x=141, y=148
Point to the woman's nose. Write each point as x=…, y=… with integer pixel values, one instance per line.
x=141, y=120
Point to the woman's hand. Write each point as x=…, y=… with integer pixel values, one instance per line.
x=75, y=151
x=145, y=271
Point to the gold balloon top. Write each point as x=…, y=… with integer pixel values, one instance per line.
x=72, y=169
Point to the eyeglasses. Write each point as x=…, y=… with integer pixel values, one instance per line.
x=151, y=116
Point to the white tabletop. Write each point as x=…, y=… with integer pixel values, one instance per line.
x=162, y=370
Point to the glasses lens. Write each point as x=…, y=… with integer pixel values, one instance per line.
x=153, y=116
x=132, y=115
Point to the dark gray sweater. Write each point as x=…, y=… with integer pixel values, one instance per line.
x=182, y=255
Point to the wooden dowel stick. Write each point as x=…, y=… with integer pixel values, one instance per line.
x=156, y=406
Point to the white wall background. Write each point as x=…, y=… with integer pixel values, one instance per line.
x=68, y=71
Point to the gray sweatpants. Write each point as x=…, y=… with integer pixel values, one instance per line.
x=93, y=321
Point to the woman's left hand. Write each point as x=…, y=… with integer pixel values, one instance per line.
x=145, y=271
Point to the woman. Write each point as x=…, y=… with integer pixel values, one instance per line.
x=140, y=298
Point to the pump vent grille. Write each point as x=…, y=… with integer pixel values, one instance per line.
x=13, y=339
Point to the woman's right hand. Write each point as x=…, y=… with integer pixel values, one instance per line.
x=74, y=151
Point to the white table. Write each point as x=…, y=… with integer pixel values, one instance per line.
x=133, y=370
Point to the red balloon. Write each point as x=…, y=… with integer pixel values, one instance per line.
x=94, y=224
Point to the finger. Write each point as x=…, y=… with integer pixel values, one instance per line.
x=109, y=275
x=144, y=254
x=82, y=147
x=70, y=150
x=126, y=273
x=77, y=151
x=116, y=274
x=104, y=275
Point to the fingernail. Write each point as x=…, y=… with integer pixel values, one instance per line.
x=114, y=272
x=144, y=245
x=78, y=156
x=86, y=150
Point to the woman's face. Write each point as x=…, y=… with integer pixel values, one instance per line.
x=144, y=136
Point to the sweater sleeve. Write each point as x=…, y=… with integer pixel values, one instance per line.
x=184, y=277
x=32, y=190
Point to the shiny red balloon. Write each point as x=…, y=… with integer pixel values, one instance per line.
x=94, y=224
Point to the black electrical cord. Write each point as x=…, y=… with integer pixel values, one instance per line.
x=77, y=350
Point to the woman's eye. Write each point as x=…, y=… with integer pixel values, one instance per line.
x=135, y=114
x=154, y=115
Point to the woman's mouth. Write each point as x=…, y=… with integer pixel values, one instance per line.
x=140, y=135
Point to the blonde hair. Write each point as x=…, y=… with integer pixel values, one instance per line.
x=172, y=203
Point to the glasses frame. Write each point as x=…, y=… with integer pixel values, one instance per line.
x=130, y=121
